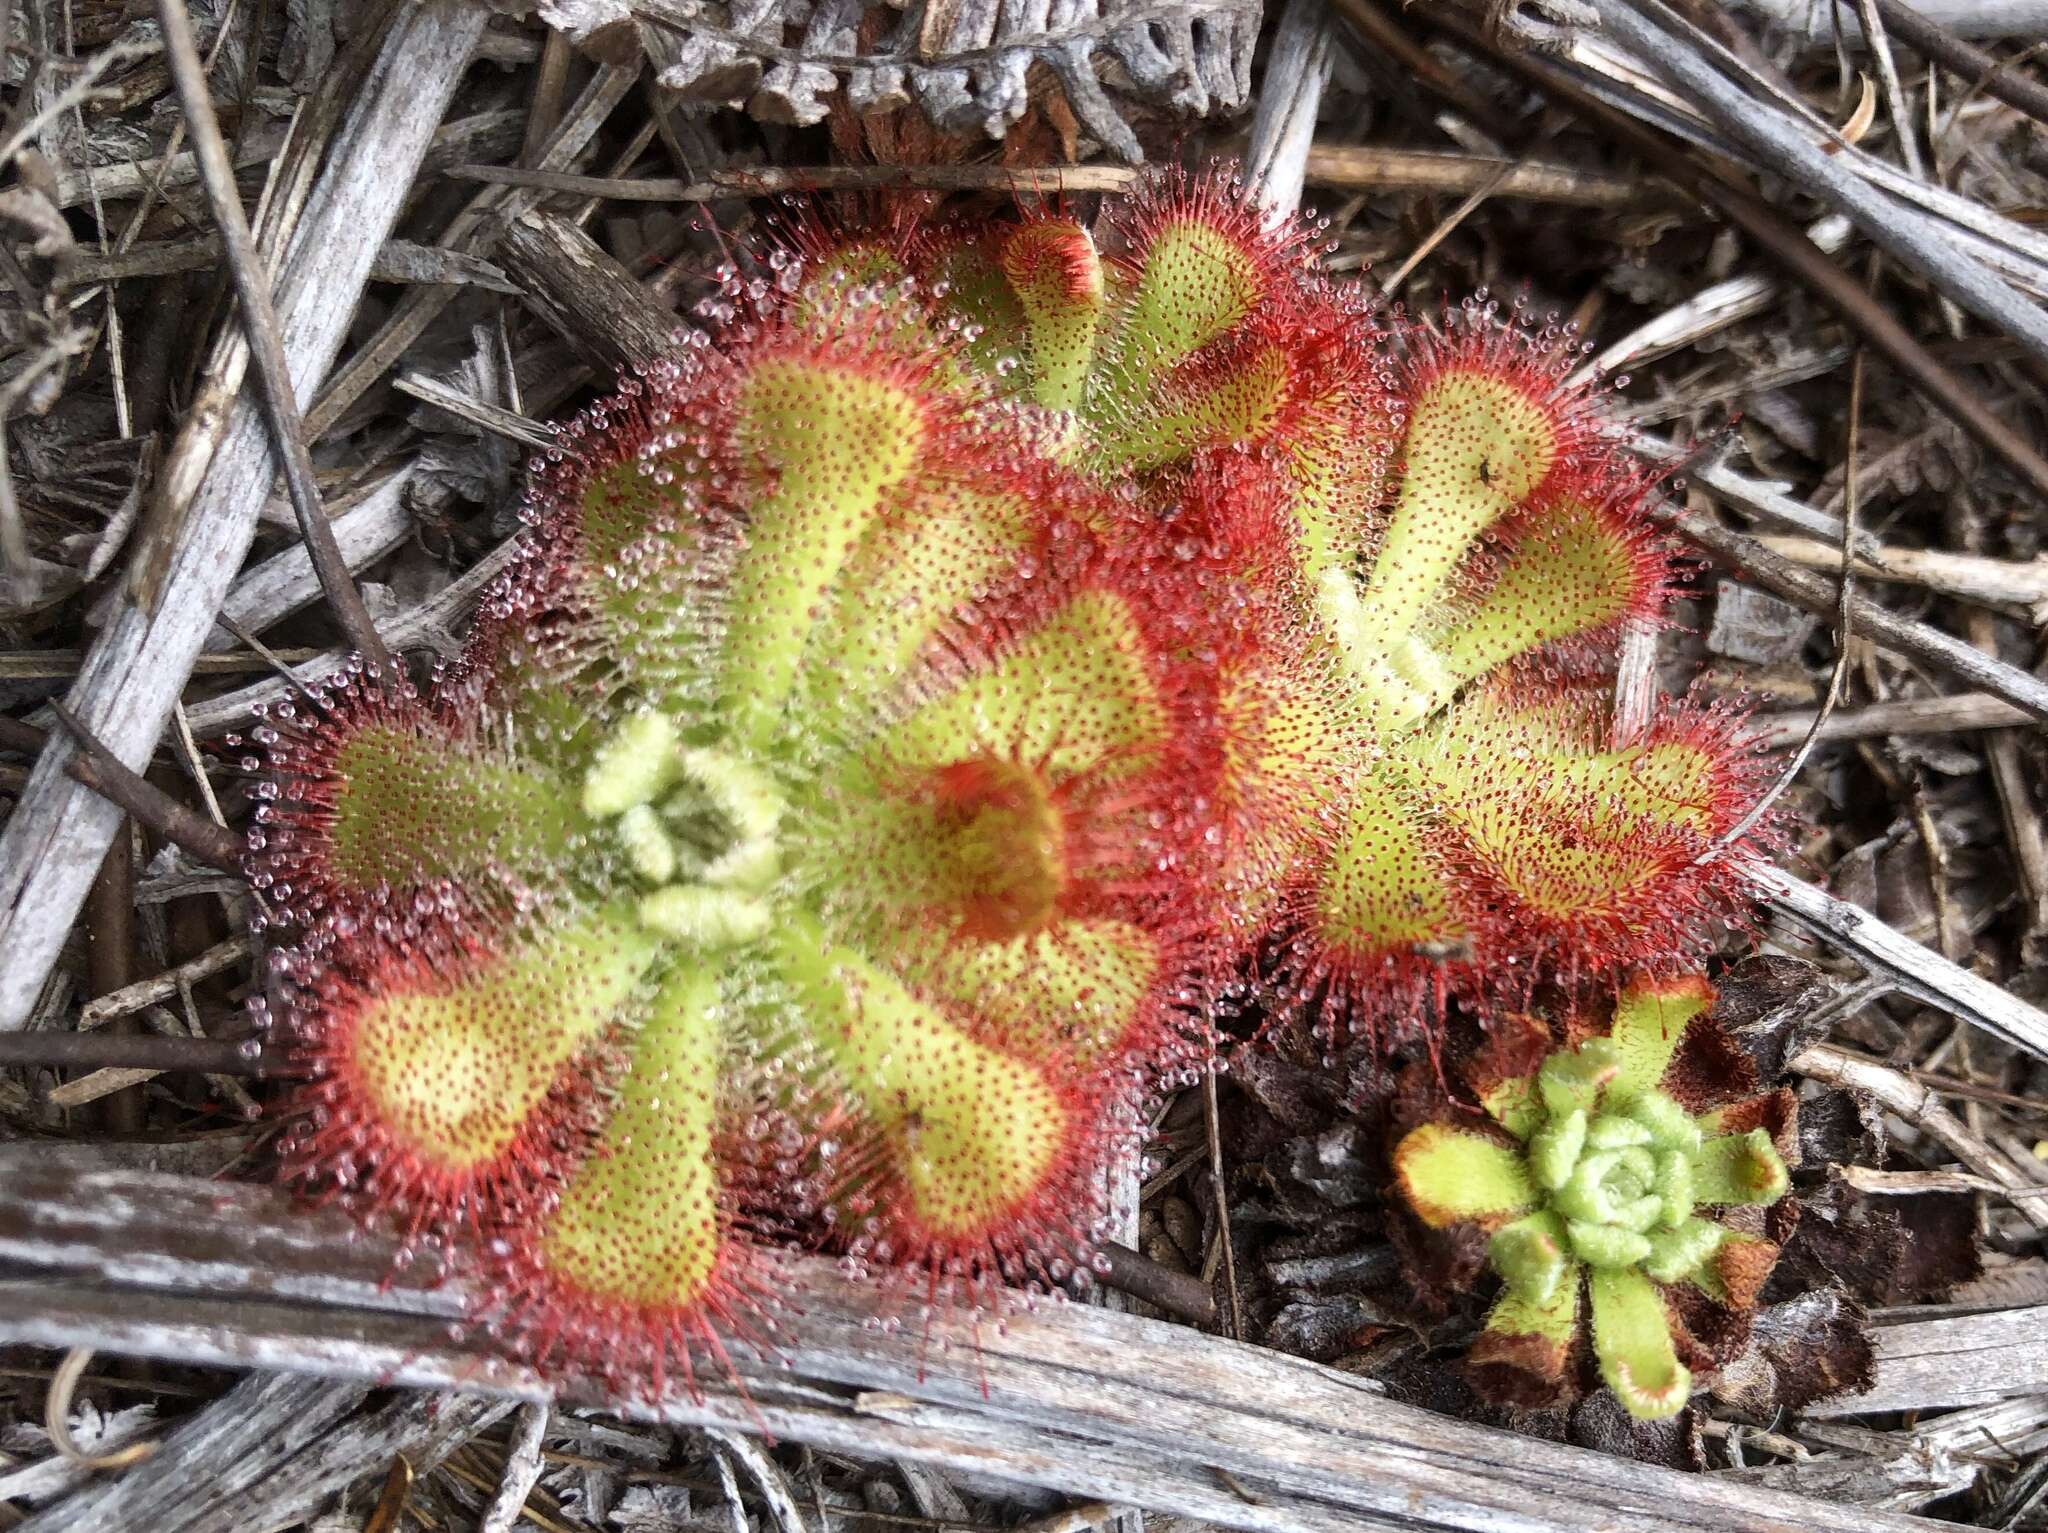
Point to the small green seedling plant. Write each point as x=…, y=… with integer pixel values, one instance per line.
x=1622, y=1179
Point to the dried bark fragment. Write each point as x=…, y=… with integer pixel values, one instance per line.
x=975, y=68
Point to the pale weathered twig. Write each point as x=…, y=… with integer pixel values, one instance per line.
x=1910, y=1184
x=1708, y=312
x=1904, y=132
x=780, y=180
x=1904, y=716
x=473, y=225
x=1084, y=1400
x=1908, y=1469
x=260, y=331
x=1746, y=557
x=111, y=779
x=522, y=1469
x=369, y=522
x=746, y=1450
x=146, y=992
x=395, y=261
x=430, y=625
x=1918, y=29
x=269, y=1453
x=1794, y=150
x=1972, y=577
x=77, y=185
x=1363, y=167
x=55, y=837
x=1822, y=20
x=1914, y=969
x=588, y=298
x=1760, y=499
x=1734, y=384
x=1920, y=1106
x=1284, y=126
x=122, y=1081
x=509, y=424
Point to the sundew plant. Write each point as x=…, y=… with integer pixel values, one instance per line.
x=978, y=649
x=1624, y=1178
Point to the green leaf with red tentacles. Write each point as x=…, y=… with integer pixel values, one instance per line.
x=644, y=1225
x=1443, y=517
x=1476, y=449
x=1440, y=512
x=1055, y=271
x=1572, y=568
x=834, y=444
x=420, y=807
x=877, y=786
x=460, y=1069
x=386, y=799
x=974, y=1132
x=447, y=1082
x=1382, y=889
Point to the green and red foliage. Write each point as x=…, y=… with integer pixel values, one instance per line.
x=915, y=704
x=1433, y=551
x=1623, y=1177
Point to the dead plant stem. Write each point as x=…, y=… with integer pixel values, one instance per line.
x=266, y=349
x=1219, y=1192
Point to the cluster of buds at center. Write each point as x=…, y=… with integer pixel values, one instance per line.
x=913, y=704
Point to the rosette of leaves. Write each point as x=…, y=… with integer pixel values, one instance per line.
x=793, y=854
x=1627, y=1180
x=1429, y=792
